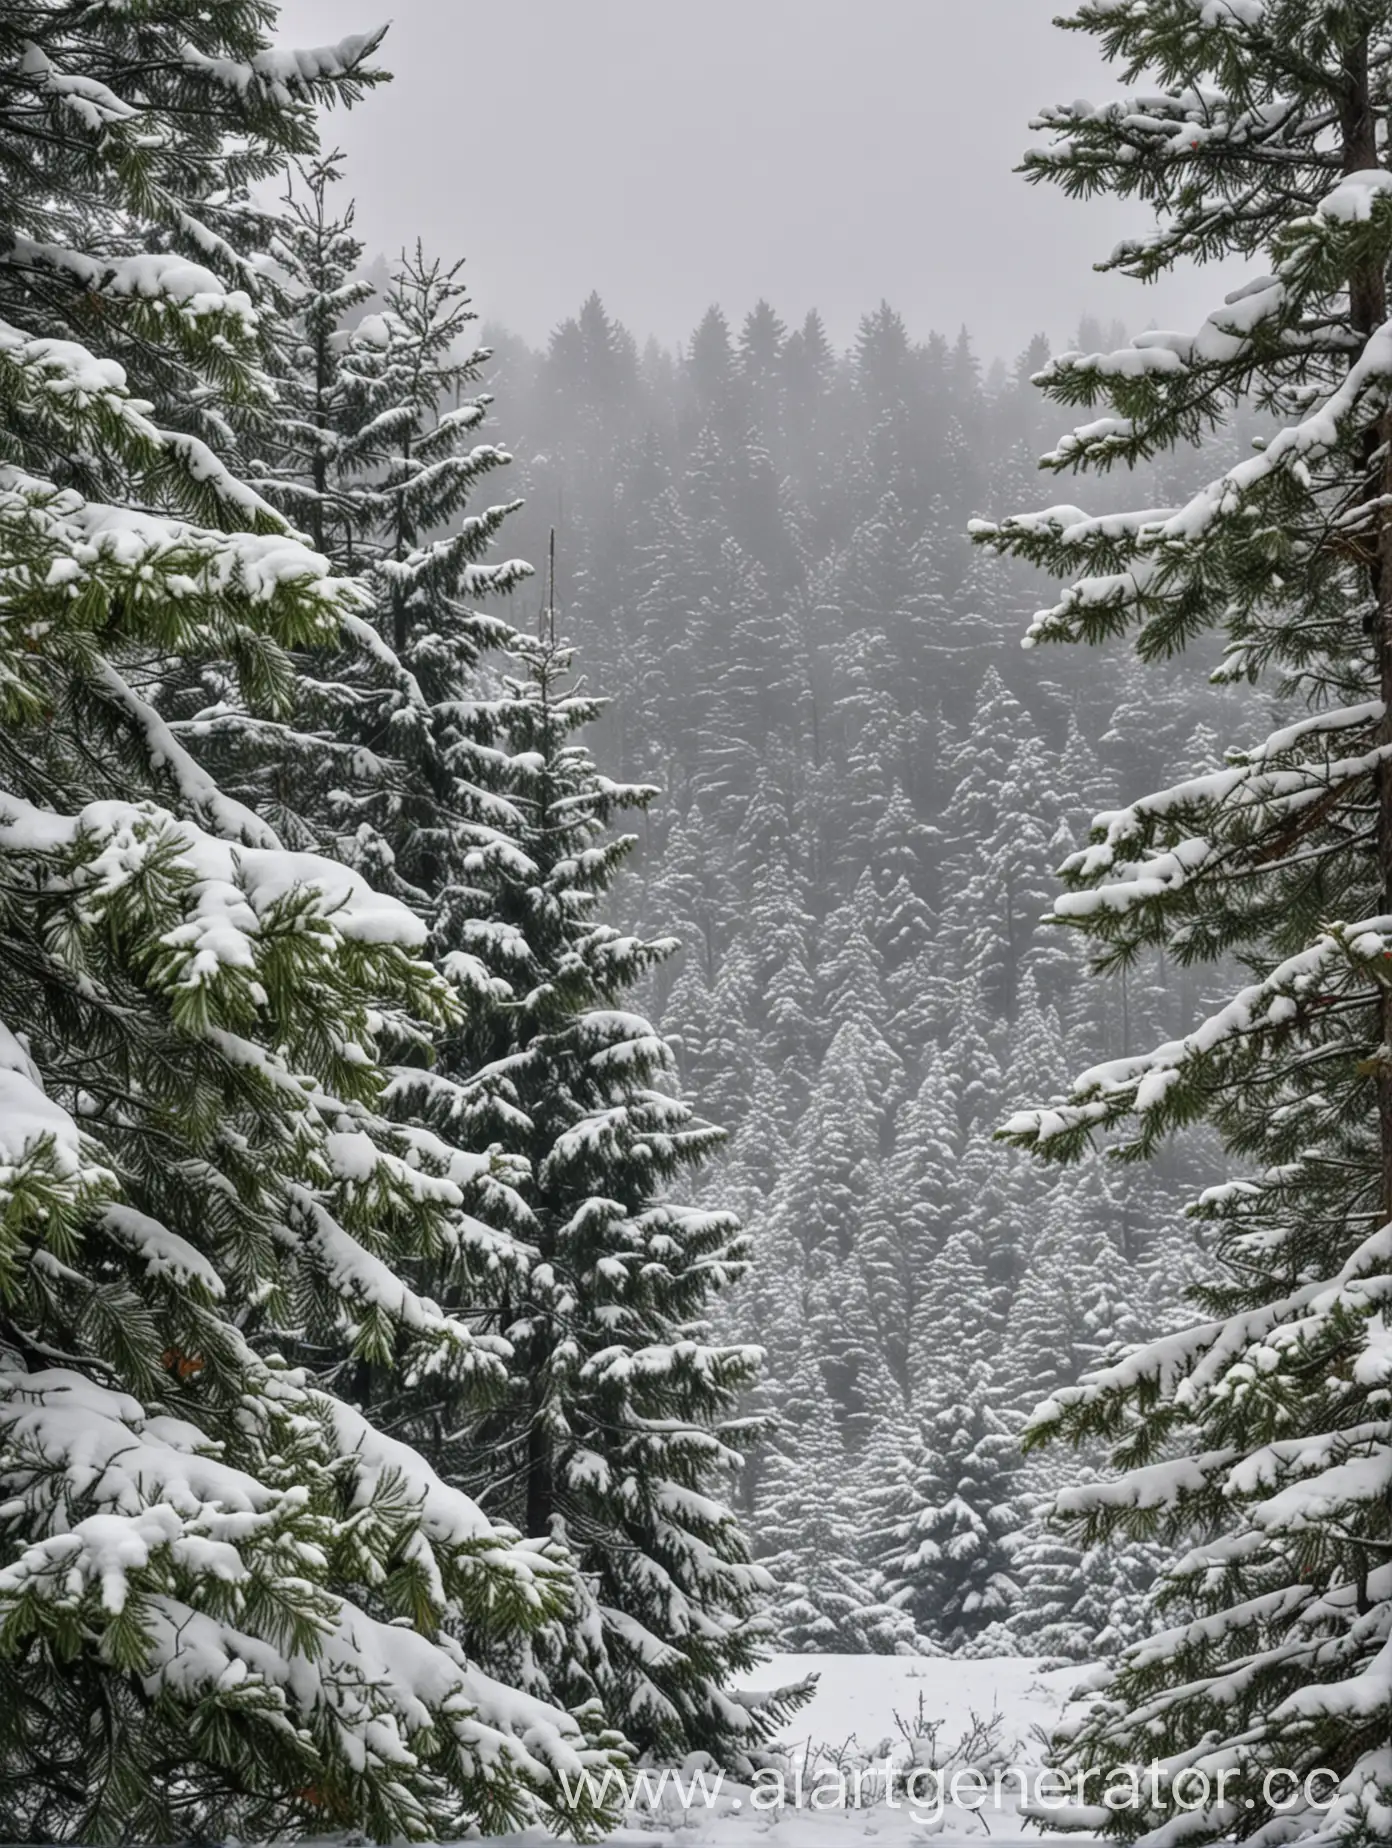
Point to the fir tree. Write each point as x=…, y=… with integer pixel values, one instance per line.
x=228, y=1599
x=910, y=1216
x=762, y=341
x=1279, y=1610
x=387, y=761
x=620, y=1421
x=829, y=1600
x=946, y=1549
x=323, y=293
x=710, y=364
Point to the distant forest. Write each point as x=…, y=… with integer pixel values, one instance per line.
x=866, y=784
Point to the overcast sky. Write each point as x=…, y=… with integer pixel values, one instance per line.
x=671, y=153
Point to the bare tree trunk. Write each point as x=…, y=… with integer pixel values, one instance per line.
x=541, y=1494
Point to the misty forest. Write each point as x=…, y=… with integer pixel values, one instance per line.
x=746, y=1146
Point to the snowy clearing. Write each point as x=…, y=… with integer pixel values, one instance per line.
x=869, y=1708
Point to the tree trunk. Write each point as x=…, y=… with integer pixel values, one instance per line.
x=541, y=1494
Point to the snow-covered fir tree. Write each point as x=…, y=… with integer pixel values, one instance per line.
x=619, y=1425
x=405, y=719
x=228, y=1598
x=1253, y=1442
x=323, y=294
x=830, y=1599
x=411, y=469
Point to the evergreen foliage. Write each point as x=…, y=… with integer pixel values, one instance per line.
x=619, y=1425
x=228, y=1598
x=1252, y=1442
x=474, y=800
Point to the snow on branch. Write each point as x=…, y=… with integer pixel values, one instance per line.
x=1254, y=786
x=1184, y=1367
x=283, y=76
x=38, y=1134
x=223, y=812
x=1144, y=1083
x=151, y=276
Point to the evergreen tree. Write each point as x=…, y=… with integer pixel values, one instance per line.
x=999, y=829
x=690, y=895
x=420, y=548
x=710, y=365
x=323, y=292
x=828, y=1184
x=762, y=341
x=229, y=1598
x=910, y=1217
x=782, y=930
x=1253, y=1441
x=388, y=761
x=619, y=1422
x=947, y=1549
x=851, y=981
x=1079, y=1603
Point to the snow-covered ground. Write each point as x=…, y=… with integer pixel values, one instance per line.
x=942, y=1716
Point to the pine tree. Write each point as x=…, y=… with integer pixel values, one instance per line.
x=946, y=1549
x=387, y=761
x=323, y=293
x=1079, y=1603
x=228, y=1599
x=910, y=1216
x=762, y=341
x=678, y=570
x=809, y=377
x=828, y=1184
x=420, y=547
x=782, y=930
x=1078, y=1301
x=999, y=824
x=710, y=365
x=691, y=895
x=1279, y=1611
x=620, y=1419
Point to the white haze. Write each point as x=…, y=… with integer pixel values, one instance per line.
x=671, y=154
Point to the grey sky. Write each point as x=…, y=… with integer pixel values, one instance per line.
x=670, y=153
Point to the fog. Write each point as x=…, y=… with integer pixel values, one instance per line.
x=817, y=152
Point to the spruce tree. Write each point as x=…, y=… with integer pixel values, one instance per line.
x=621, y=1419
x=782, y=930
x=1253, y=1441
x=910, y=1215
x=294, y=765
x=946, y=1543
x=228, y=1599
x=386, y=758
x=420, y=544
x=323, y=292
x=409, y=715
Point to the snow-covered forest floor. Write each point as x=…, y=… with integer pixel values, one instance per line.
x=869, y=1709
